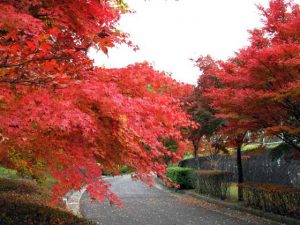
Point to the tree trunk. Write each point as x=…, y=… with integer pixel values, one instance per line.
x=196, y=147
x=240, y=170
x=240, y=141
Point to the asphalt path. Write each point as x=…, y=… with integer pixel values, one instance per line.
x=144, y=205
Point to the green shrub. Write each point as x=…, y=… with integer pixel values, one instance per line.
x=118, y=171
x=23, y=202
x=279, y=199
x=126, y=169
x=15, y=211
x=181, y=176
x=212, y=182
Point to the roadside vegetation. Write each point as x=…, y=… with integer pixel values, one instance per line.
x=23, y=201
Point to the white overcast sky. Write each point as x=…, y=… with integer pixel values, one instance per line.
x=171, y=32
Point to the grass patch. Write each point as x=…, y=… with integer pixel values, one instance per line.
x=253, y=146
x=272, y=145
x=8, y=173
x=248, y=147
x=232, y=192
x=188, y=156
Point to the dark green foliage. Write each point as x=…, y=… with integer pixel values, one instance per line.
x=172, y=146
x=126, y=169
x=283, y=150
x=181, y=176
x=121, y=170
x=106, y=173
x=212, y=182
x=199, y=107
x=279, y=199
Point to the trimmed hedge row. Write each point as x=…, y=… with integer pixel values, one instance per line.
x=212, y=182
x=181, y=176
x=279, y=199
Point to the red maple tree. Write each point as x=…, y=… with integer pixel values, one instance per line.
x=260, y=86
x=258, y=89
x=61, y=115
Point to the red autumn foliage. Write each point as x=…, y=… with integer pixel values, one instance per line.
x=60, y=115
x=260, y=87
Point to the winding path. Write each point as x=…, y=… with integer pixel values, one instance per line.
x=143, y=205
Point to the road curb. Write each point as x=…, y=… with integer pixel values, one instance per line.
x=235, y=206
x=72, y=200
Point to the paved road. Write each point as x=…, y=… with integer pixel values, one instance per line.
x=143, y=205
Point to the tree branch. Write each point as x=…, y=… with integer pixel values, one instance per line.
x=32, y=60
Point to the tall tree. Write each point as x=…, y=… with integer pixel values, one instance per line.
x=262, y=82
x=232, y=128
x=61, y=115
x=259, y=87
x=198, y=106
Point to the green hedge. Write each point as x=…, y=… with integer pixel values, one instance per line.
x=279, y=199
x=181, y=176
x=212, y=182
